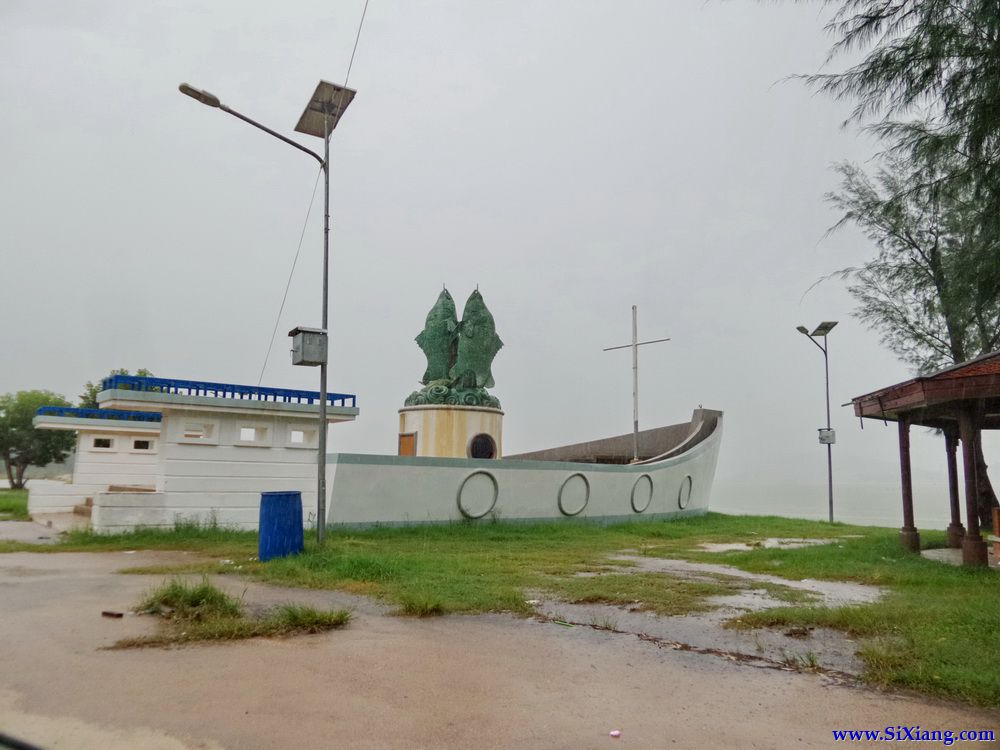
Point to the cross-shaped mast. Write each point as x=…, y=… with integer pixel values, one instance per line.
x=635, y=378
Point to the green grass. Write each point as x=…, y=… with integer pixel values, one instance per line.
x=654, y=592
x=937, y=630
x=193, y=612
x=13, y=505
x=212, y=540
x=179, y=600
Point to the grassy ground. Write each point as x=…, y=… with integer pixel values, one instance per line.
x=937, y=630
x=200, y=612
x=13, y=505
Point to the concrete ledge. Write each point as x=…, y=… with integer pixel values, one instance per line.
x=49, y=422
x=51, y=496
x=117, y=512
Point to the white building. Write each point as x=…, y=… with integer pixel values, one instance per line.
x=159, y=451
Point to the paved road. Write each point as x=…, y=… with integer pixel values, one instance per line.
x=29, y=532
x=389, y=682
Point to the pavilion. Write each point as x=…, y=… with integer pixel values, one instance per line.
x=961, y=400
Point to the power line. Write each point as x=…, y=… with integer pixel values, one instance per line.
x=288, y=284
x=291, y=273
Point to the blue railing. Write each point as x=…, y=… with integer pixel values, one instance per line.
x=222, y=390
x=72, y=411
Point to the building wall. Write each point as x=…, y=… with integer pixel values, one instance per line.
x=212, y=467
x=367, y=490
x=385, y=490
x=54, y=496
x=97, y=468
x=125, y=462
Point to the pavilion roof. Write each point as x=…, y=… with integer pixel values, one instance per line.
x=935, y=400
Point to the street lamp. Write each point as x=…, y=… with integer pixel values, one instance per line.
x=827, y=436
x=320, y=117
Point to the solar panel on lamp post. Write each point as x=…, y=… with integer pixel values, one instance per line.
x=827, y=437
x=321, y=116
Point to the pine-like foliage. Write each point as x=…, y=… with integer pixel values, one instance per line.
x=917, y=291
x=930, y=74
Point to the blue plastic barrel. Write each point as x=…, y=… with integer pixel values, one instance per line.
x=280, y=525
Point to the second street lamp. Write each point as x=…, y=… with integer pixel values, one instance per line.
x=321, y=115
x=827, y=436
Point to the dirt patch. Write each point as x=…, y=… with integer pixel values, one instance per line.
x=831, y=593
x=811, y=649
x=769, y=543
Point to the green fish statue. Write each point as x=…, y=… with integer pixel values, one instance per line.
x=437, y=340
x=478, y=344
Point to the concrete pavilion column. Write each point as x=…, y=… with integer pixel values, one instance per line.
x=956, y=532
x=908, y=535
x=973, y=546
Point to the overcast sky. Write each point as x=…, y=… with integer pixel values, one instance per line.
x=571, y=158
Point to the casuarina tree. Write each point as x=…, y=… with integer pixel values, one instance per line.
x=917, y=291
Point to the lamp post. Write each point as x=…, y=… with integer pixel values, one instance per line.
x=319, y=119
x=826, y=437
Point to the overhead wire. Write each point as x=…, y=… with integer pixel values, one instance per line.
x=288, y=284
x=312, y=200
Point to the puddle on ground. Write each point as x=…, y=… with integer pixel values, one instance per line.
x=769, y=543
x=829, y=593
x=798, y=648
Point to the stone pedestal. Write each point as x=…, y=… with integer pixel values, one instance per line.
x=451, y=431
x=974, y=551
x=910, y=539
x=956, y=533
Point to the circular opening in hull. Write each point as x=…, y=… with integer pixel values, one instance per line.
x=482, y=446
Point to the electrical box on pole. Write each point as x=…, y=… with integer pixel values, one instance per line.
x=308, y=346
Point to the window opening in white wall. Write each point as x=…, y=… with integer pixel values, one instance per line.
x=248, y=434
x=142, y=445
x=300, y=438
x=105, y=443
x=195, y=431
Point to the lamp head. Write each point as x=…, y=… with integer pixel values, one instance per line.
x=201, y=95
x=802, y=330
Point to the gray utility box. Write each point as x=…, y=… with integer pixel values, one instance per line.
x=827, y=436
x=308, y=346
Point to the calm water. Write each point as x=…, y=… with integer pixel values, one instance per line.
x=866, y=504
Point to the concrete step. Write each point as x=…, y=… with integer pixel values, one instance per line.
x=83, y=509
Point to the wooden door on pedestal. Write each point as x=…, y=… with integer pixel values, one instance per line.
x=408, y=444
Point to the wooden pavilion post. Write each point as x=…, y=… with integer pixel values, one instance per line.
x=908, y=535
x=973, y=546
x=956, y=532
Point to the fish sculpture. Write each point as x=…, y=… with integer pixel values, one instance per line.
x=438, y=339
x=478, y=344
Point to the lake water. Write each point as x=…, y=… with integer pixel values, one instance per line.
x=868, y=504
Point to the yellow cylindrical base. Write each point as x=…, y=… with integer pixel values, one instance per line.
x=450, y=431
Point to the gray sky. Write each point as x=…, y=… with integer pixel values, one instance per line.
x=571, y=158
